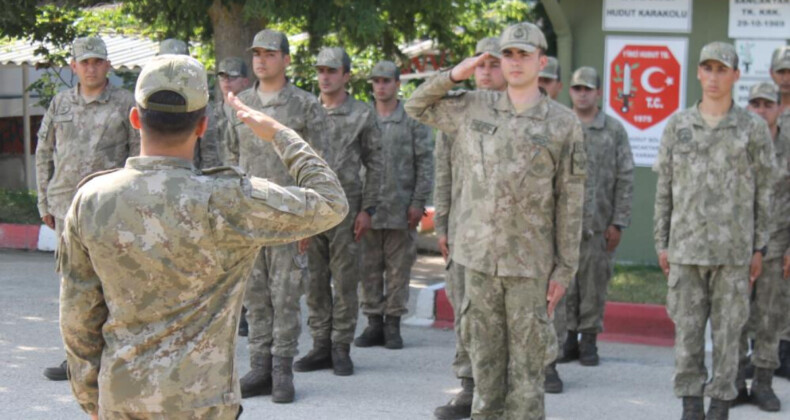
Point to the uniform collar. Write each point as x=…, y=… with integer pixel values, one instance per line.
x=599, y=121
x=343, y=109
x=104, y=97
x=144, y=163
x=538, y=112
x=730, y=119
x=280, y=99
x=396, y=116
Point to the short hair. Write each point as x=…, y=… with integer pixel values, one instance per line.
x=174, y=124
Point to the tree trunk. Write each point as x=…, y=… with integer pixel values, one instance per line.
x=233, y=33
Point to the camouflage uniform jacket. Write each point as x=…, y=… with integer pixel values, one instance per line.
x=779, y=241
x=610, y=153
x=155, y=258
x=292, y=107
x=207, y=149
x=77, y=139
x=355, y=140
x=407, y=149
x=523, y=180
x=713, y=195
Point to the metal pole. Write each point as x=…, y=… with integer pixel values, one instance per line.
x=29, y=177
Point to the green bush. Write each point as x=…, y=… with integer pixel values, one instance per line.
x=638, y=284
x=18, y=206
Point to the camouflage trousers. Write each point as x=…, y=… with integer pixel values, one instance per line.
x=697, y=293
x=334, y=263
x=388, y=255
x=560, y=321
x=219, y=412
x=272, y=301
x=454, y=286
x=768, y=314
x=586, y=296
x=510, y=342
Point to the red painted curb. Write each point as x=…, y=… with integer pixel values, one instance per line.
x=19, y=236
x=636, y=323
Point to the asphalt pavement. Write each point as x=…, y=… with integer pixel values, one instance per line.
x=632, y=382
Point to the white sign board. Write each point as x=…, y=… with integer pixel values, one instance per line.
x=647, y=15
x=755, y=57
x=759, y=19
x=644, y=84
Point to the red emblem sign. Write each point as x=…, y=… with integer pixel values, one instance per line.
x=645, y=87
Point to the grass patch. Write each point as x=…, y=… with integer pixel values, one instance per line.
x=18, y=206
x=638, y=284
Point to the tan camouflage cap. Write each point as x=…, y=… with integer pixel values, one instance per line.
x=488, y=45
x=233, y=67
x=385, y=69
x=178, y=73
x=585, y=76
x=719, y=51
x=552, y=69
x=334, y=57
x=780, y=60
x=764, y=90
x=269, y=39
x=524, y=36
x=88, y=47
x=173, y=46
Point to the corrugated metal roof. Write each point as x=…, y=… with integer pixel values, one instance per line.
x=125, y=53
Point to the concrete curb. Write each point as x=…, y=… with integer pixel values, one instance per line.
x=27, y=237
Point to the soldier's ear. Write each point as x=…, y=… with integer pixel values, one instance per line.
x=202, y=126
x=134, y=118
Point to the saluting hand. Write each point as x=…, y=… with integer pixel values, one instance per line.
x=261, y=124
x=466, y=68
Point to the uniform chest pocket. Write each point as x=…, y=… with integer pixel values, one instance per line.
x=541, y=162
x=63, y=118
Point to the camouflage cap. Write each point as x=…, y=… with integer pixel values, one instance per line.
x=334, y=57
x=764, y=90
x=232, y=66
x=488, y=45
x=88, y=47
x=524, y=36
x=385, y=69
x=173, y=46
x=269, y=39
x=780, y=60
x=722, y=52
x=177, y=73
x=552, y=69
x=585, y=76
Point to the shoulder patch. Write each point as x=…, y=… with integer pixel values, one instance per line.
x=224, y=170
x=95, y=175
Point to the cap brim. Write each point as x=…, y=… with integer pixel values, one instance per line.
x=91, y=55
x=496, y=54
x=520, y=45
x=331, y=66
x=726, y=64
x=765, y=96
x=587, y=85
x=548, y=75
x=265, y=47
x=385, y=76
x=781, y=66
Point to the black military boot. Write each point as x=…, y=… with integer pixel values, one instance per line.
x=762, y=391
x=282, y=380
x=693, y=408
x=718, y=410
x=373, y=334
x=57, y=373
x=570, y=350
x=740, y=385
x=258, y=381
x=552, y=383
x=460, y=407
x=784, y=360
x=341, y=359
x=588, y=350
x=392, y=338
x=244, y=327
x=319, y=357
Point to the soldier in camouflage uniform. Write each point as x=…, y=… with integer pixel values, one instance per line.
x=149, y=307
x=770, y=298
x=521, y=203
x=711, y=226
x=272, y=297
x=549, y=80
x=207, y=149
x=232, y=76
x=780, y=72
x=447, y=194
x=334, y=256
x=86, y=129
x=389, y=248
x=612, y=164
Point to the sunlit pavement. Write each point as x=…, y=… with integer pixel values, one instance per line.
x=632, y=382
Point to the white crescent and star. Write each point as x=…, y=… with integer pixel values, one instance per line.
x=645, y=80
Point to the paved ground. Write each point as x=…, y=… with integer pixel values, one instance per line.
x=633, y=382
